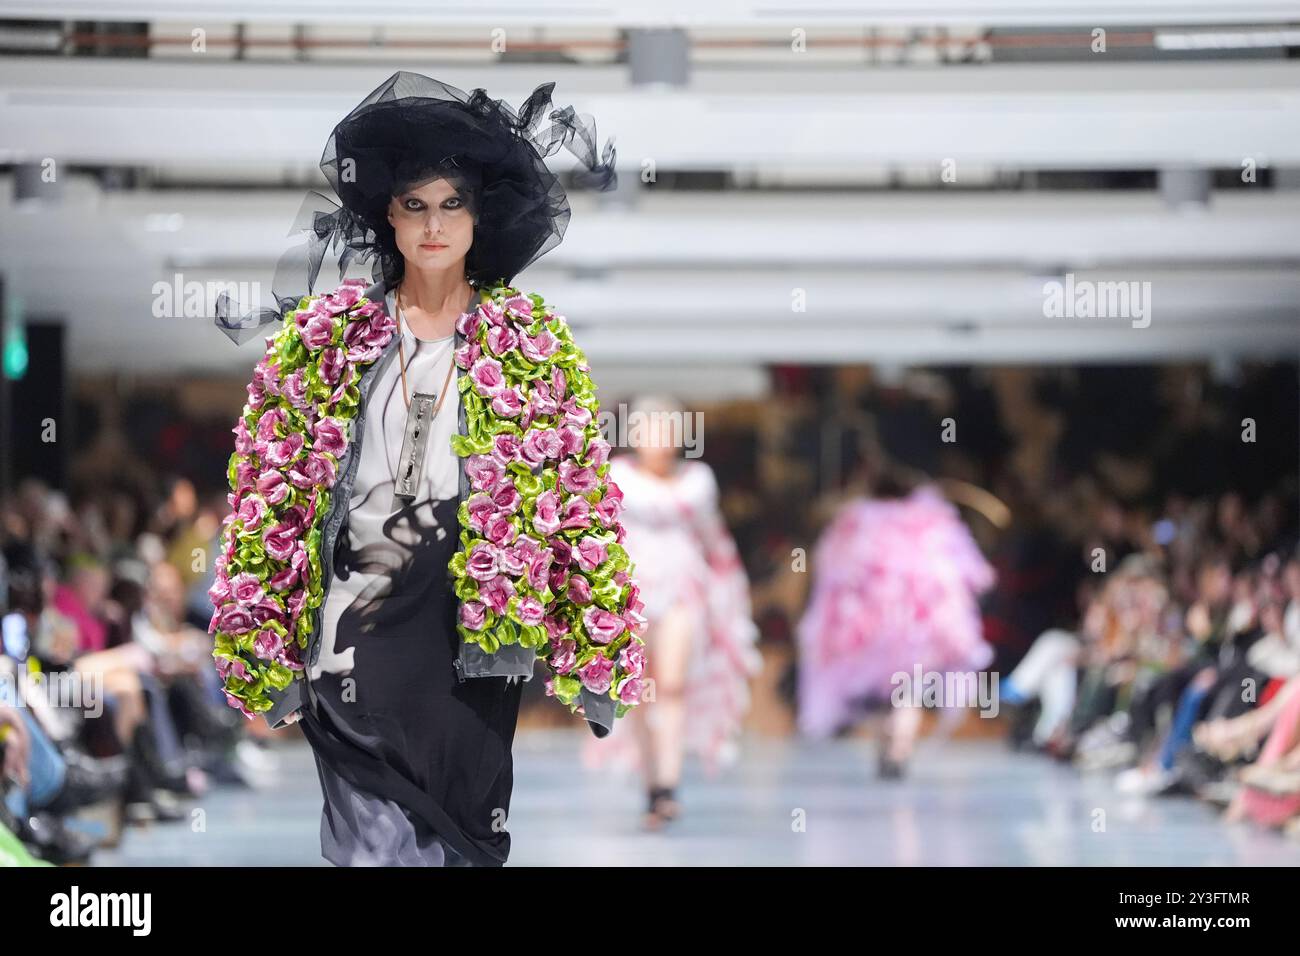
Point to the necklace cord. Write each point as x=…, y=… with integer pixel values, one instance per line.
x=401, y=350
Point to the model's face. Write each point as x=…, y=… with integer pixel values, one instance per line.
x=434, y=225
x=658, y=439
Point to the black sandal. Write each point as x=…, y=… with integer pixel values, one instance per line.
x=661, y=807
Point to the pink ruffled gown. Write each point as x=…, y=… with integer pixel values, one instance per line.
x=895, y=584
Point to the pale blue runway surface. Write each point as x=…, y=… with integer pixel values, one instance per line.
x=963, y=803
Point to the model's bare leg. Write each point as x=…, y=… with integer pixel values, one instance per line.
x=667, y=663
x=639, y=720
x=903, y=725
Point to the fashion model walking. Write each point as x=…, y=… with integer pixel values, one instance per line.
x=420, y=502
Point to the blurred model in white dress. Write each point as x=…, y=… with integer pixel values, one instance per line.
x=700, y=638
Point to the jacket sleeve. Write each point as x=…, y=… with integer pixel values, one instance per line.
x=256, y=654
x=589, y=639
x=286, y=706
x=533, y=434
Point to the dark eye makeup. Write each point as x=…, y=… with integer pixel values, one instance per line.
x=419, y=203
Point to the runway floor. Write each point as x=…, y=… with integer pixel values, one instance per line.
x=963, y=803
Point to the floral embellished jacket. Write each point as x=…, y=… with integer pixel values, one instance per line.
x=540, y=573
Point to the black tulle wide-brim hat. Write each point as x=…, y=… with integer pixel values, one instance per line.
x=410, y=130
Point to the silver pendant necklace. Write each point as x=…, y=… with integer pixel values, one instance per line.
x=420, y=411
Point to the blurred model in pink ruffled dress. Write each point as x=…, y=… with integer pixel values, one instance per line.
x=895, y=586
x=700, y=636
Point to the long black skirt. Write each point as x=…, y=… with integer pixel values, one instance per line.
x=415, y=764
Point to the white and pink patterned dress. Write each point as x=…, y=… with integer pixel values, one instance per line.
x=895, y=585
x=683, y=552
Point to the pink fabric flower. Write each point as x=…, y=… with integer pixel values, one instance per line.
x=473, y=615
x=484, y=471
x=279, y=540
x=590, y=553
x=219, y=593
x=246, y=588
x=272, y=486
x=294, y=389
x=499, y=530
x=252, y=509
x=597, y=674
x=243, y=440
x=575, y=414
x=506, y=497
x=268, y=645
x=564, y=656
x=546, y=516
x=236, y=619
x=330, y=436
x=512, y=561
x=576, y=513
x=519, y=307
x=481, y=564
x=271, y=425
x=539, y=566
x=502, y=339
x=480, y=506
x=598, y=452
x=556, y=629
x=572, y=440
x=235, y=702
x=632, y=658
x=540, y=444
x=280, y=453
x=491, y=313
x=530, y=610
x=539, y=347
x=541, y=400
x=315, y=469
x=487, y=377
x=318, y=332
x=284, y=579
x=577, y=479
x=332, y=364
x=468, y=354
x=363, y=353
x=505, y=447
x=496, y=593
x=266, y=374
x=509, y=402
x=226, y=667
x=382, y=324
x=468, y=324
x=629, y=691
x=603, y=626
x=563, y=551
x=579, y=590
